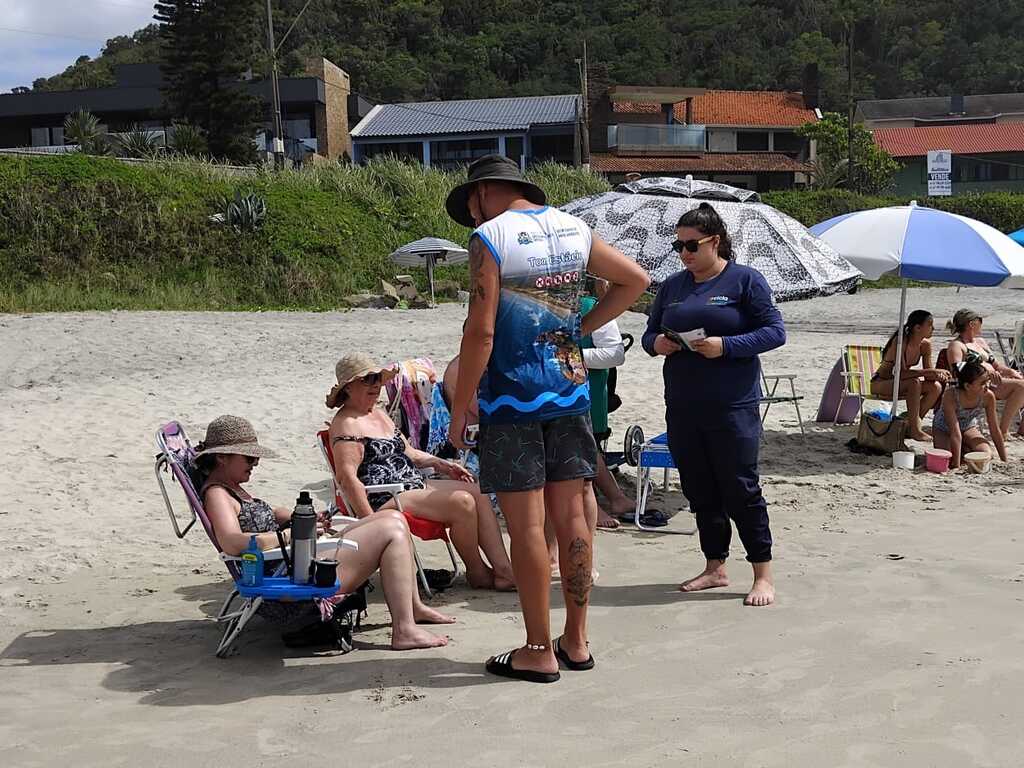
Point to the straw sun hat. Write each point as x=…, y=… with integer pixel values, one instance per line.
x=352, y=367
x=232, y=434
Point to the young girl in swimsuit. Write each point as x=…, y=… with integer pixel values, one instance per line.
x=957, y=425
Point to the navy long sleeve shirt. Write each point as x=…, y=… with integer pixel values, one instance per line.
x=736, y=305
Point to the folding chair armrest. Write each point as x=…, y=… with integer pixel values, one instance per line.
x=343, y=520
x=392, y=488
x=777, y=376
x=324, y=545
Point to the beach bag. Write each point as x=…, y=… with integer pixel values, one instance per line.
x=881, y=435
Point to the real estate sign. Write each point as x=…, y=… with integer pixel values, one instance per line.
x=940, y=172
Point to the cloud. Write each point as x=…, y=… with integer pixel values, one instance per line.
x=68, y=29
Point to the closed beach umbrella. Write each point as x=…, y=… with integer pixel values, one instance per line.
x=427, y=252
x=698, y=189
x=796, y=264
x=917, y=243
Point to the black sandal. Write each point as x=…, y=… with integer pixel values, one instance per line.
x=501, y=665
x=575, y=666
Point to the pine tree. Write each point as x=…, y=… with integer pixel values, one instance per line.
x=208, y=46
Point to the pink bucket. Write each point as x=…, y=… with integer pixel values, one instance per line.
x=937, y=460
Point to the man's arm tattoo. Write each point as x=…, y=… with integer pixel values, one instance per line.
x=476, y=260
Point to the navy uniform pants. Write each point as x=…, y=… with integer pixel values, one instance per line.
x=716, y=454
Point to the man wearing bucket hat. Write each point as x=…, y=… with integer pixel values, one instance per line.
x=520, y=346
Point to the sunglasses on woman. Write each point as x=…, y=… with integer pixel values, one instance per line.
x=371, y=379
x=690, y=245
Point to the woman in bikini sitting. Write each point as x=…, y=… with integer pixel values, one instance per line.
x=227, y=458
x=920, y=387
x=1006, y=383
x=369, y=450
x=957, y=425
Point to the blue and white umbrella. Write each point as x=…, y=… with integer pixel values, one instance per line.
x=917, y=243
x=1017, y=237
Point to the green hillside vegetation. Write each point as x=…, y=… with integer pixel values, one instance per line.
x=445, y=49
x=80, y=232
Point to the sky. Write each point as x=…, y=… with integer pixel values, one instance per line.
x=50, y=34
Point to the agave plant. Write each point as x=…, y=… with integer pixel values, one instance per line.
x=83, y=128
x=138, y=142
x=186, y=139
x=243, y=213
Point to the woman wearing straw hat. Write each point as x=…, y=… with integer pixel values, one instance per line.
x=228, y=455
x=368, y=449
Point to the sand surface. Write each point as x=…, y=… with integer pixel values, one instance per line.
x=896, y=639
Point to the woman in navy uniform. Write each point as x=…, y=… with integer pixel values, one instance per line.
x=712, y=393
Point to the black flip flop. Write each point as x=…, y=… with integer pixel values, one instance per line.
x=501, y=665
x=575, y=666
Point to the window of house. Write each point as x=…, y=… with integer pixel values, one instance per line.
x=514, y=147
x=788, y=142
x=404, y=150
x=458, y=152
x=40, y=137
x=300, y=128
x=752, y=141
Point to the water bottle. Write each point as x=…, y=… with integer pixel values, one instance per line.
x=252, y=564
x=303, y=538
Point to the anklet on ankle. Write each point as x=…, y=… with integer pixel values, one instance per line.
x=532, y=647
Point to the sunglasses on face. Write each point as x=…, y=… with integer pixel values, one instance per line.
x=690, y=245
x=252, y=461
x=371, y=379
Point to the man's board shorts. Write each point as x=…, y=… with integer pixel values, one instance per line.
x=525, y=455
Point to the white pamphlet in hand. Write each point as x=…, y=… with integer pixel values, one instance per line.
x=689, y=337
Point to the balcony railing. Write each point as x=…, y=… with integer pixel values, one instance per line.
x=631, y=137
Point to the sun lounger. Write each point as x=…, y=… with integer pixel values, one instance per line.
x=175, y=455
x=421, y=528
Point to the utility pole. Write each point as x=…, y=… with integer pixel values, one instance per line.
x=849, y=105
x=275, y=93
x=585, y=97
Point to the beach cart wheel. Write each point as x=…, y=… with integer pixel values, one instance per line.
x=633, y=444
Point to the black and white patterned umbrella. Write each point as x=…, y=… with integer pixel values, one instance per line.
x=700, y=189
x=796, y=264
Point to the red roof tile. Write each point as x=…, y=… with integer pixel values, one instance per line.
x=959, y=139
x=711, y=162
x=739, y=108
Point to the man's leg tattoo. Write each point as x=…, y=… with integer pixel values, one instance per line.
x=579, y=580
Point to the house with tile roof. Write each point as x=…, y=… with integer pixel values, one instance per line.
x=744, y=138
x=449, y=134
x=984, y=133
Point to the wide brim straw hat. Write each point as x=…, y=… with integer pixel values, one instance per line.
x=352, y=367
x=489, y=168
x=232, y=434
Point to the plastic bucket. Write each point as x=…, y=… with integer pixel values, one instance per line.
x=978, y=462
x=903, y=459
x=937, y=460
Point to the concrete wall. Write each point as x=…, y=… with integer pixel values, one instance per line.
x=331, y=118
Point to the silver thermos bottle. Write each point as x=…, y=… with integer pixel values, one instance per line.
x=303, y=538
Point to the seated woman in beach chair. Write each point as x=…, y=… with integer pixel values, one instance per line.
x=227, y=458
x=920, y=387
x=368, y=450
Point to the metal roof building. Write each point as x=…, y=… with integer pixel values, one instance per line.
x=448, y=134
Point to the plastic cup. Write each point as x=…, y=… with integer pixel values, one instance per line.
x=903, y=459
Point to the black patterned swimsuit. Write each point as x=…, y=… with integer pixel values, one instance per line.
x=384, y=462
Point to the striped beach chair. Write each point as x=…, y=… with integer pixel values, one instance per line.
x=860, y=361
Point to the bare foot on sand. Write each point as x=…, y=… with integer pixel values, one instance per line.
x=416, y=638
x=713, y=576
x=504, y=583
x=919, y=435
x=606, y=521
x=426, y=615
x=762, y=593
x=482, y=580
